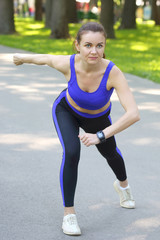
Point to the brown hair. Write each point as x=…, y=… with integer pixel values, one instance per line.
x=90, y=26
x=93, y=27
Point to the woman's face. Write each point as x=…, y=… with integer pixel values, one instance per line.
x=91, y=46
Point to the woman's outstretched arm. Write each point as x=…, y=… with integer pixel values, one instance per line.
x=59, y=62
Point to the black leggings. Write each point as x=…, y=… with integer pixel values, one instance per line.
x=67, y=124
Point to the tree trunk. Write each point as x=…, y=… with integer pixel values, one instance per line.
x=155, y=12
x=59, y=22
x=72, y=11
x=38, y=10
x=48, y=13
x=129, y=15
x=7, y=17
x=107, y=17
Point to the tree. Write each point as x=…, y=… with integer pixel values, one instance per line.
x=59, y=22
x=129, y=15
x=7, y=17
x=48, y=13
x=72, y=11
x=38, y=10
x=155, y=12
x=107, y=17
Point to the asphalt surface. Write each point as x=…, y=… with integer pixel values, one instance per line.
x=30, y=157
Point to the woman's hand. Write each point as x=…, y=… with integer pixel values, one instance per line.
x=89, y=139
x=17, y=59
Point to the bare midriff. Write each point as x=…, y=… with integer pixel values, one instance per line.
x=73, y=104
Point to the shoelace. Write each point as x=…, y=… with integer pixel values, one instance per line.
x=127, y=195
x=72, y=221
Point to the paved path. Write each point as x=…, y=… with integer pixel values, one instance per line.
x=30, y=156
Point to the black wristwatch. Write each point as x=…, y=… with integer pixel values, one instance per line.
x=101, y=136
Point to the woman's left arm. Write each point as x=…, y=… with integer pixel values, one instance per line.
x=118, y=81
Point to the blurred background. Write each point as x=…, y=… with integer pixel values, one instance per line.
x=73, y=11
x=50, y=26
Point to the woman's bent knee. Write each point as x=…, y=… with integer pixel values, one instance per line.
x=72, y=157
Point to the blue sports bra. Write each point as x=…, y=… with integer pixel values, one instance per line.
x=94, y=100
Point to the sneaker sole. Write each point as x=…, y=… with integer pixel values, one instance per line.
x=71, y=234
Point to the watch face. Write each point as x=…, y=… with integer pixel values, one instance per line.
x=100, y=135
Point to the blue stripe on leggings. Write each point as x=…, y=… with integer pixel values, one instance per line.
x=61, y=140
x=117, y=149
x=119, y=152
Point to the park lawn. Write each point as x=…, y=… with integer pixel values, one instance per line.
x=135, y=51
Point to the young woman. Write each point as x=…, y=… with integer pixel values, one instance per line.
x=86, y=104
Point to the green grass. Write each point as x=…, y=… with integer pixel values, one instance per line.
x=135, y=51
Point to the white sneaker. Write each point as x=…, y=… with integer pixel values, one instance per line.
x=70, y=225
x=126, y=198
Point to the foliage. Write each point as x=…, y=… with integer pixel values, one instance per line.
x=137, y=51
x=118, y=2
x=134, y=51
